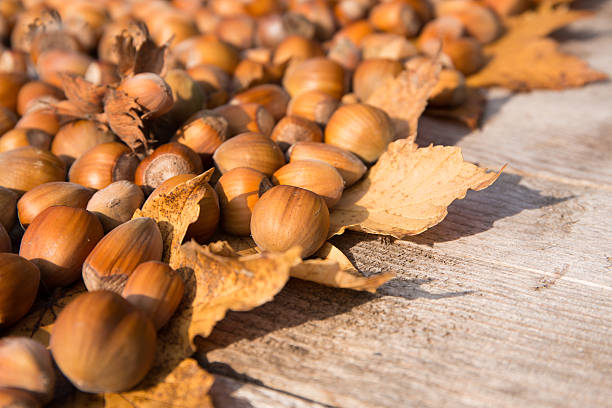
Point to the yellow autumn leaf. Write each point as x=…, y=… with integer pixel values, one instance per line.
x=408, y=190
x=523, y=59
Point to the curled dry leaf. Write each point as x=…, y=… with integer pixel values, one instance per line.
x=175, y=211
x=330, y=268
x=215, y=284
x=408, y=190
x=469, y=112
x=404, y=97
x=86, y=97
x=336, y=270
x=523, y=59
x=124, y=117
x=138, y=52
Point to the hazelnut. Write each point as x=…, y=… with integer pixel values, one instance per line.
x=317, y=106
x=119, y=340
x=46, y=195
x=315, y=176
x=285, y=216
x=272, y=97
x=203, y=133
x=315, y=74
x=168, y=160
x=58, y=240
x=77, y=137
x=360, y=128
x=188, y=95
x=396, y=17
x=19, y=137
x=249, y=150
x=371, y=73
x=156, y=290
x=115, y=203
x=247, y=117
x=26, y=365
x=293, y=129
x=19, y=280
x=238, y=191
x=30, y=167
x=150, y=91
x=116, y=256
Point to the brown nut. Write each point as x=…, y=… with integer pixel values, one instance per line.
x=317, y=106
x=480, y=22
x=238, y=30
x=507, y=8
x=274, y=28
x=58, y=240
x=315, y=74
x=248, y=117
x=238, y=191
x=319, y=13
x=52, y=64
x=171, y=27
x=293, y=129
x=116, y=256
x=150, y=91
x=119, y=339
x=361, y=129
x=19, y=280
x=26, y=365
x=285, y=216
x=207, y=49
x=350, y=167
x=8, y=119
x=354, y=32
x=115, y=203
x=34, y=91
x=102, y=73
x=450, y=89
x=203, y=133
x=272, y=97
x=465, y=53
x=104, y=164
x=396, y=17
x=15, y=398
x=77, y=137
x=188, y=95
x=315, y=176
x=19, y=137
x=8, y=208
x=206, y=224
x=39, y=118
x=295, y=47
x=10, y=84
x=168, y=160
x=30, y=167
x=387, y=45
x=156, y=290
x=249, y=150
x=46, y=195
x=371, y=73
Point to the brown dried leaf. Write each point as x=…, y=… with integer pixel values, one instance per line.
x=175, y=211
x=138, y=52
x=215, y=284
x=404, y=97
x=523, y=59
x=124, y=116
x=408, y=190
x=335, y=270
x=85, y=96
x=186, y=385
x=469, y=112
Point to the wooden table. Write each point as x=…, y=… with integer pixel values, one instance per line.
x=507, y=303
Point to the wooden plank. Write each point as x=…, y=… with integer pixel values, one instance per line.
x=447, y=332
x=230, y=393
x=563, y=135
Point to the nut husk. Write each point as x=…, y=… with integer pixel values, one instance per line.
x=285, y=216
x=19, y=280
x=58, y=240
x=156, y=290
x=46, y=195
x=118, y=339
x=115, y=257
x=115, y=203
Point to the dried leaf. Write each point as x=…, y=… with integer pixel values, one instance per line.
x=124, y=116
x=175, y=211
x=404, y=97
x=469, y=112
x=86, y=97
x=138, y=52
x=408, y=190
x=215, y=284
x=335, y=270
x=523, y=59
x=186, y=385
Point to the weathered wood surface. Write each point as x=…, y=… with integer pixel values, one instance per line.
x=507, y=303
